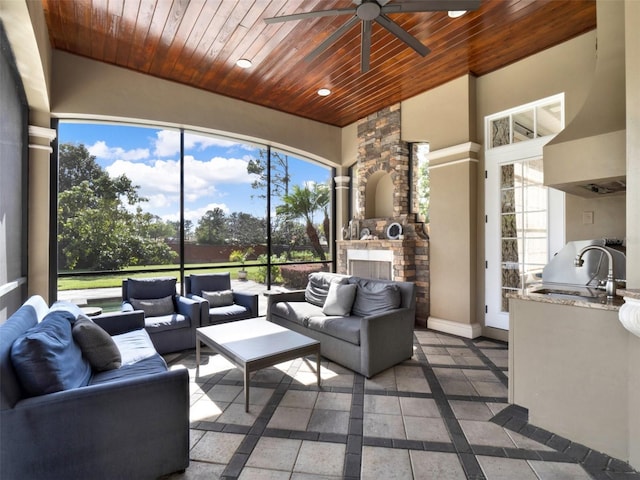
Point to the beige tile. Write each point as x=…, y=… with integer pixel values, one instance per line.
x=310, y=476
x=384, y=426
x=194, y=437
x=290, y=418
x=496, y=407
x=252, y=473
x=383, y=381
x=329, y=421
x=236, y=415
x=257, y=396
x=413, y=384
x=447, y=340
x=440, y=359
x=464, y=410
x=320, y=458
x=381, y=404
x=461, y=352
x=458, y=387
x=436, y=466
x=485, y=433
x=199, y=471
x=419, y=407
x=334, y=401
x=426, y=429
x=225, y=393
x=274, y=453
x=559, y=471
x=216, y=447
x=469, y=361
x=385, y=464
x=331, y=379
x=480, y=376
x=496, y=468
x=206, y=410
x=299, y=399
x=267, y=375
x=490, y=389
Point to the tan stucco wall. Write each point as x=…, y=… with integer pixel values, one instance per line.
x=444, y=116
x=85, y=88
x=632, y=33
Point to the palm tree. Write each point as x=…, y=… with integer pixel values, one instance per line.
x=303, y=203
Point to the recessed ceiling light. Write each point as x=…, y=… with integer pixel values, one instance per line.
x=323, y=92
x=244, y=63
x=456, y=13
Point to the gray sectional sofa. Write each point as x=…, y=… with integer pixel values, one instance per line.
x=363, y=324
x=82, y=399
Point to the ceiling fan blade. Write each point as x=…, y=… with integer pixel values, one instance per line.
x=403, y=35
x=365, y=48
x=332, y=38
x=431, y=6
x=319, y=13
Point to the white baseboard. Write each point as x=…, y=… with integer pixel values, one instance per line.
x=465, y=330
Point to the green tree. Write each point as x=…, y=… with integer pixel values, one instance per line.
x=245, y=229
x=302, y=203
x=96, y=230
x=212, y=227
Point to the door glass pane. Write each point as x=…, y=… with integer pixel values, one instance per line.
x=524, y=226
x=523, y=126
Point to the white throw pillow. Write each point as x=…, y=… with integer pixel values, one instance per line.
x=339, y=299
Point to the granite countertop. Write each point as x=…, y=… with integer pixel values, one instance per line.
x=630, y=293
x=572, y=297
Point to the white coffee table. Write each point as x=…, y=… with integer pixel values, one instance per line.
x=254, y=344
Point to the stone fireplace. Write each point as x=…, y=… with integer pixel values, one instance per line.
x=384, y=195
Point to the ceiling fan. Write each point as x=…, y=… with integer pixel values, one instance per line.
x=368, y=11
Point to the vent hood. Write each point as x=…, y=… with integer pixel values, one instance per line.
x=588, y=157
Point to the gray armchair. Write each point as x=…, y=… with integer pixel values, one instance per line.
x=220, y=304
x=169, y=318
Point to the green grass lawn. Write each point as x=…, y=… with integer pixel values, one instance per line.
x=86, y=281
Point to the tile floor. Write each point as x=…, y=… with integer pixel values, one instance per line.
x=440, y=415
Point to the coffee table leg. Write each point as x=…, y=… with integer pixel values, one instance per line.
x=246, y=389
x=318, y=365
x=197, y=356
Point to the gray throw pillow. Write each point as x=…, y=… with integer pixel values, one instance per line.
x=373, y=298
x=154, y=307
x=97, y=345
x=318, y=287
x=339, y=299
x=223, y=298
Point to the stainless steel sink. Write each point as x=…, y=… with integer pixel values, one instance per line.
x=571, y=292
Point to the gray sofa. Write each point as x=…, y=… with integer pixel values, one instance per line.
x=126, y=422
x=363, y=324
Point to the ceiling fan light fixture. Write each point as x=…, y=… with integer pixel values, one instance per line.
x=323, y=92
x=244, y=63
x=456, y=13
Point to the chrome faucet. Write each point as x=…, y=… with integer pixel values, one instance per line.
x=611, y=284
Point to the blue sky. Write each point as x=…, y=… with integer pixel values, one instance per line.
x=215, y=168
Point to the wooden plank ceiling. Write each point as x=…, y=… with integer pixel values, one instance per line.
x=197, y=42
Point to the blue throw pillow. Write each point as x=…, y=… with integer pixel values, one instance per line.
x=47, y=360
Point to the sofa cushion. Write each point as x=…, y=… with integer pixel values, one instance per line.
x=154, y=307
x=228, y=312
x=47, y=360
x=296, y=312
x=375, y=297
x=318, y=287
x=142, y=368
x=134, y=346
x=339, y=299
x=166, y=322
x=97, y=345
x=222, y=298
x=72, y=308
x=344, y=328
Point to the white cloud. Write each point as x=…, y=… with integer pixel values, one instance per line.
x=159, y=179
x=102, y=151
x=196, y=214
x=167, y=143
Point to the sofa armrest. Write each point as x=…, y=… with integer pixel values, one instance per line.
x=386, y=339
x=116, y=323
x=191, y=308
x=248, y=301
x=204, y=308
x=275, y=297
x=131, y=428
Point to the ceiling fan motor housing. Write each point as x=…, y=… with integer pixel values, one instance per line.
x=368, y=11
